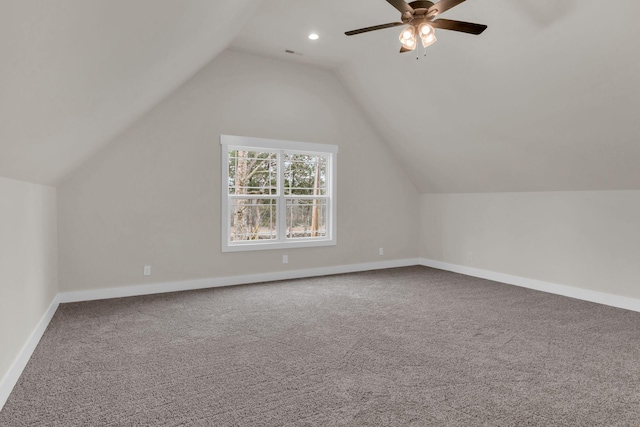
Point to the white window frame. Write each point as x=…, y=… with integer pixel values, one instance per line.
x=230, y=143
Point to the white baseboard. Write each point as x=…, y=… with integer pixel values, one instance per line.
x=187, y=285
x=10, y=379
x=539, y=285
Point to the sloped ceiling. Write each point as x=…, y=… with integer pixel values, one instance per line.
x=545, y=99
x=75, y=73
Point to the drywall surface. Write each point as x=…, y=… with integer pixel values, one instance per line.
x=588, y=239
x=76, y=73
x=28, y=262
x=152, y=196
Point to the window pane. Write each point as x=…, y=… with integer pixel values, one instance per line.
x=252, y=219
x=305, y=174
x=306, y=218
x=252, y=172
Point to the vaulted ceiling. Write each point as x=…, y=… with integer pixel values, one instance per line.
x=75, y=73
x=545, y=99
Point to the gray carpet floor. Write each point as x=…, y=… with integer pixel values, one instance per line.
x=398, y=347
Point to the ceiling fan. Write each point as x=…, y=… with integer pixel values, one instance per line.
x=419, y=16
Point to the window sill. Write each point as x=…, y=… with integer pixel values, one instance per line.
x=244, y=247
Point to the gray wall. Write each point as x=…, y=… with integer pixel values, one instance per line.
x=28, y=262
x=587, y=239
x=152, y=196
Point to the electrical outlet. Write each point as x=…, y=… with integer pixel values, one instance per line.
x=285, y=259
x=381, y=251
x=470, y=256
x=147, y=270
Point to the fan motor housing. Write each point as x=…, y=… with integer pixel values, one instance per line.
x=421, y=8
x=420, y=4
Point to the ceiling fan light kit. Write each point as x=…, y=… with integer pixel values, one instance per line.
x=427, y=34
x=408, y=38
x=419, y=17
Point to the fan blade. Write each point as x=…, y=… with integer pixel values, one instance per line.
x=402, y=6
x=442, y=6
x=377, y=27
x=404, y=49
x=463, y=27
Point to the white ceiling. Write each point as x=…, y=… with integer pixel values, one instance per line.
x=76, y=72
x=545, y=99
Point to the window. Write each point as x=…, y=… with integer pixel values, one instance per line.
x=277, y=194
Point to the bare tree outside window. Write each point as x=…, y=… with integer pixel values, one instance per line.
x=253, y=174
x=305, y=180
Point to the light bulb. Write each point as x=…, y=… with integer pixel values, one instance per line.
x=313, y=36
x=425, y=29
x=407, y=35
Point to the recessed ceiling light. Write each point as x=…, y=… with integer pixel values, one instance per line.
x=313, y=36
